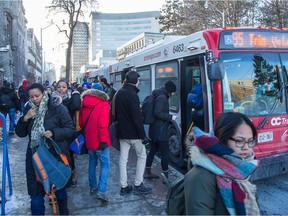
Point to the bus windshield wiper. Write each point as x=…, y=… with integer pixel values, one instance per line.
x=278, y=98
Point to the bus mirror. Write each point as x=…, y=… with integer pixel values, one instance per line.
x=215, y=71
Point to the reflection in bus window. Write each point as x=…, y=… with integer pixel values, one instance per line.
x=168, y=71
x=145, y=82
x=250, y=84
x=118, y=81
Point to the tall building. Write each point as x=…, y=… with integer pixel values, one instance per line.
x=108, y=31
x=33, y=56
x=12, y=41
x=79, y=52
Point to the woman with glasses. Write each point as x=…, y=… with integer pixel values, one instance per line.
x=219, y=182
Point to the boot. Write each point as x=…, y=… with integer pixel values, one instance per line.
x=149, y=175
x=63, y=207
x=165, y=180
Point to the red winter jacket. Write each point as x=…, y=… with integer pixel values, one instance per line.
x=96, y=129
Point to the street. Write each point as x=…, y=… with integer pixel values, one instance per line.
x=272, y=192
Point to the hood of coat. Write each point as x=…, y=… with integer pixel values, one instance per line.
x=94, y=95
x=55, y=99
x=160, y=91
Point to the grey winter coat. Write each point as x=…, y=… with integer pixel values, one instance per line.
x=202, y=196
x=58, y=120
x=158, y=131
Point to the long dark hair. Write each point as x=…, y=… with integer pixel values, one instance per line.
x=227, y=123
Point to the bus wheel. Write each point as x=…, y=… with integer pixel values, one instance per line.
x=175, y=148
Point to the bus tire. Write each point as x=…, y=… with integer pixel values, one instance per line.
x=175, y=147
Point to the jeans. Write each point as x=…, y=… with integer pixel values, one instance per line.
x=104, y=158
x=22, y=106
x=37, y=202
x=154, y=147
x=12, y=113
x=125, y=145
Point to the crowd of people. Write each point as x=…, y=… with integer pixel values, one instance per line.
x=61, y=110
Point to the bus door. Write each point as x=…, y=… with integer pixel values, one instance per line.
x=191, y=74
x=118, y=78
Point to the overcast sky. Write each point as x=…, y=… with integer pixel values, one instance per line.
x=36, y=16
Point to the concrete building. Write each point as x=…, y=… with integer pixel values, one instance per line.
x=108, y=31
x=33, y=57
x=12, y=41
x=79, y=52
x=50, y=72
x=137, y=43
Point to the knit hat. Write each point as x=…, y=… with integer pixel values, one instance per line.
x=132, y=77
x=97, y=86
x=7, y=84
x=170, y=86
x=86, y=84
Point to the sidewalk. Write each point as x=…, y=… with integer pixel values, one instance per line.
x=80, y=202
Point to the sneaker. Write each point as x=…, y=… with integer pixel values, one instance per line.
x=11, y=133
x=126, y=190
x=93, y=192
x=102, y=197
x=141, y=189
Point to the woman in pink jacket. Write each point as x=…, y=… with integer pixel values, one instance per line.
x=94, y=120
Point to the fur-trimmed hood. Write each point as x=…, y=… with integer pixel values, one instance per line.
x=55, y=99
x=96, y=93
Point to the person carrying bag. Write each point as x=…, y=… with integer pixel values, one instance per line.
x=51, y=172
x=44, y=116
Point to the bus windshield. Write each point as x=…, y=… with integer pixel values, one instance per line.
x=254, y=82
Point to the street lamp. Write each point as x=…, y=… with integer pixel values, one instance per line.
x=42, y=59
x=221, y=12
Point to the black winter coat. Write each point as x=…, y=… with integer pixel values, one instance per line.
x=58, y=120
x=15, y=102
x=158, y=131
x=128, y=113
x=72, y=103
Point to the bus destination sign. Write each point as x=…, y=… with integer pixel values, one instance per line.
x=255, y=39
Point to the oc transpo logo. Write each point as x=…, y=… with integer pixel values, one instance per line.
x=277, y=121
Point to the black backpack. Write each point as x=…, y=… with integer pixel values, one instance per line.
x=6, y=102
x=175, y=198
x=147, y=110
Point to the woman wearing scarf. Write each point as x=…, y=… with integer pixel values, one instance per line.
x=218, y=183
x=71, y=99
x=44, y=115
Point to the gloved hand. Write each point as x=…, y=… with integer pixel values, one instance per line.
x=174, y=117
x=102, y=146
x=145, y=141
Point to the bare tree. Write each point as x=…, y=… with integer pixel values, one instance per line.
x=194, y=15
x=171, y=18
x=274, y=13
x=74, y=9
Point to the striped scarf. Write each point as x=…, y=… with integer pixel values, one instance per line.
x=232, y=173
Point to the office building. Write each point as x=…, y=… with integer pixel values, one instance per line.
x=108, y=31
x=79, y=51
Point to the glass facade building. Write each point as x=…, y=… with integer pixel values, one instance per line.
x=108, y=31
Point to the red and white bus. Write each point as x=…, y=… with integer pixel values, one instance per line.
x=240, y=69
